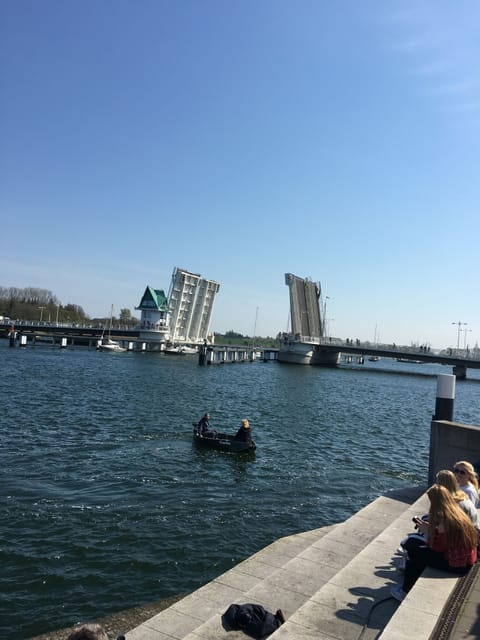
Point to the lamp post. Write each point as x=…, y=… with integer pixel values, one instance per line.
x=325, y=331
x=328, y=321
x=465, y=338
x=459, y=324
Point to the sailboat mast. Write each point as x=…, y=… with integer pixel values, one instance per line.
x=111, y=320
x=255, y=327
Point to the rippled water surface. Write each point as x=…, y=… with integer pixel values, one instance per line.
x=106, y=503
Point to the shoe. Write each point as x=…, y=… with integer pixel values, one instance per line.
x=401, y=552
x=398, y=593
x=279, y=615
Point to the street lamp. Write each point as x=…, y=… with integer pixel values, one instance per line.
x=458, y=332
x=327, y=324
x=465, y=338
x=325, y=332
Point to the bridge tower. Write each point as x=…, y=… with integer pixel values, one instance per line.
x=305, y=315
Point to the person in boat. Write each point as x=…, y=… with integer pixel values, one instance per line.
x=451, y=541
x=244, y=434
x=203, y=427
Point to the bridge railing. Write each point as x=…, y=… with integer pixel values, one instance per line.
x=414, y=349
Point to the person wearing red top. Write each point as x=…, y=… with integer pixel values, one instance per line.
x=451, y=541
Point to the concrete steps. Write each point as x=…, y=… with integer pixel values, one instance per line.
x=326, y=581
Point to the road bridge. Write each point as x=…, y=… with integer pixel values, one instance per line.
x=460, y=360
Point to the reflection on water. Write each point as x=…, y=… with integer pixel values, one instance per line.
x=107, y=504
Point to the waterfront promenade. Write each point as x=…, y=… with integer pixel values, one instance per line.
x=332, y=583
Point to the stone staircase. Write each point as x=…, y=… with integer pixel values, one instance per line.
x=332, y=583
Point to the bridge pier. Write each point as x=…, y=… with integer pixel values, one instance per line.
x=325, y=358
x=460, y=371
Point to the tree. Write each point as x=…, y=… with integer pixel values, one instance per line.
x=125, y=315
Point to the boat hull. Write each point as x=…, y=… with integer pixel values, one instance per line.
x=110, y=346
x=303, y=352
x=224, y=442
x=180, y=351
x=295, y=352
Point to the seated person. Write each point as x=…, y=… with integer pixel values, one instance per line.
x=451, y=541
x=203, y=427
x=88, y=632
x=244, y=434
x=448, y=480
x=467, y=479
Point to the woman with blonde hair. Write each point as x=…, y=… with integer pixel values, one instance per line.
x=447, y=479
x=451, y=541
x=467, y=479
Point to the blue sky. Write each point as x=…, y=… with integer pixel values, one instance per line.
x=336, y=140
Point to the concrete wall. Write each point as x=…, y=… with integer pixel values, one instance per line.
x=449, y=442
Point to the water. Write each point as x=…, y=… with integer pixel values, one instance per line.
x=106, y=504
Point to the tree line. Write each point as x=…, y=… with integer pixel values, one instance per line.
x=32, y=303
x=35, y=304
x=233, y=338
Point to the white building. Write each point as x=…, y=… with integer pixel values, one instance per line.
x=154, y=318
x=182, y=317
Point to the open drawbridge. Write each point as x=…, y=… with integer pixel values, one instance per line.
x=305, y=313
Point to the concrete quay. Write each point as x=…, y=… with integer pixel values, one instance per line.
x=332, y=583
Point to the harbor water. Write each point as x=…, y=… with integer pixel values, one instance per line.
x=106, y=503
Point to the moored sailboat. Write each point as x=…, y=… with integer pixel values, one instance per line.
x=107, y=344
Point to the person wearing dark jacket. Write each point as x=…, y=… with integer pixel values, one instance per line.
x=244, y=434
x=203, y=426
x=252, y=619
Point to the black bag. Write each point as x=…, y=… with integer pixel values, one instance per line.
x=253, y=619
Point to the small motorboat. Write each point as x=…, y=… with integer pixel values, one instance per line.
x=186, y=350
x=223, y=442
x=180, y=350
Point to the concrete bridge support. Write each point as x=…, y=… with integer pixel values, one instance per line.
x=460, y=371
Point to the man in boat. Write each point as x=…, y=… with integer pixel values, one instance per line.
x=244, y=434
x=203, y=427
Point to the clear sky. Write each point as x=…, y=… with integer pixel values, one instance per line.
x=333, y=139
